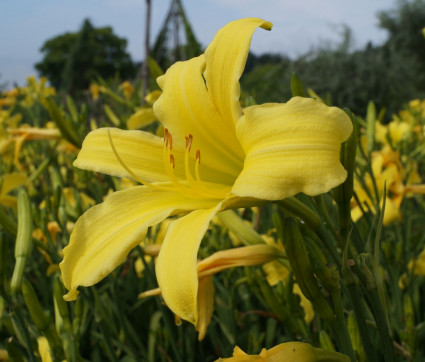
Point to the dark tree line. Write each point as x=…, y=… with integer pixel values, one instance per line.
x=389, y=74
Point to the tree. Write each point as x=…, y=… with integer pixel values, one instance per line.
x=404, y=25
x=72, y=60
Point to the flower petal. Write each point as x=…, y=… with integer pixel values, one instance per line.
x=44, y=349
x=185, y=108
x=141, y=118
x=12, y=181
x=140, y=151
x=9, y=201
x=291, y=148
x=205, y=305
x=105, y=234
x=176, y=267
x=225, y=61
x=244, y=256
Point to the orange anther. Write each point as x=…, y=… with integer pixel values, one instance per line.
x=198, y=156
x=172, y=162
x=189, y=140
x=166, y=135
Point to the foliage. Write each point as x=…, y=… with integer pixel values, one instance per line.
x=72, y=60
x=404, y=26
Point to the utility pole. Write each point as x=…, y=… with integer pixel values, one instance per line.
x=145, y=68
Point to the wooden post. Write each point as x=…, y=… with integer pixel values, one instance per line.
x=145, y=68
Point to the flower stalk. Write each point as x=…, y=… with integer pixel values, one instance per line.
x=23, y=243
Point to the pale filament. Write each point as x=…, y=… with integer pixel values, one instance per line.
x=195, y=187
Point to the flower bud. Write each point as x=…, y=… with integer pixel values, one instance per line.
x=289, y=351
x=300, y=263
x=23, y=243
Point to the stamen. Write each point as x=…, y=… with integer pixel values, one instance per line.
x=189, y=140
x=199, y=182
x=189, y=177
x=166, y=135
x=198, y=161
x=170, y=141
x=194, y=188
x=169, y=164
x=137, y=178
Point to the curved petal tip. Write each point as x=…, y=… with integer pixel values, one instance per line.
x=72, y=295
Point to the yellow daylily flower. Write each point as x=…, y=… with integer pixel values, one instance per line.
x=381, y=132
x=35, y=133
x=416, y=267
x=127, y=89
x=289, y=351
x=387, y=170
x=245, y=256
x=14, y=92
x=141, y=118
x=8, y=183
x=24, y=133
x=53, y=228
x=94, y=90
x=399, y=131
x=153, y=96
x=36, y=92
x=68, y=192
x=214, y=156
x=7, y=102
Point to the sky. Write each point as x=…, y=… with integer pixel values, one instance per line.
x=298, y=26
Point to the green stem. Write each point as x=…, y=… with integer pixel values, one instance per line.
x=303, y=212
x=43, y=165
x=361, y=317
x=340, y=326
x=246, y=234
x=324, y=211
x=24, y=330
x=382, y=326
x=329, y=244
